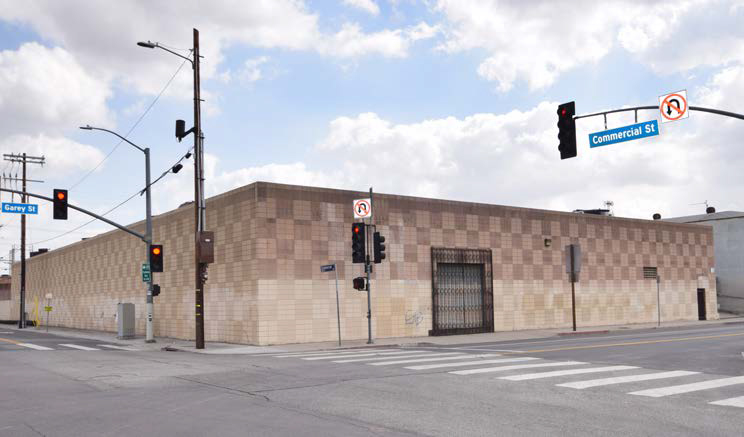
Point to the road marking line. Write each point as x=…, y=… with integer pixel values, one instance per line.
x=540, y=375
x=82, y=348
x=470, y=363
x=515, y=367
x=332, y=357
x=732, y=402
x=313, y=354
x=111, y=346
x=35, y=346
x=632, y=343
x=623, y=379
x=457, y=356
x=418, y=355
x=686, y=388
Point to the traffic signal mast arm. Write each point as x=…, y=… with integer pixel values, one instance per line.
x=84, y=211
x=656, y=108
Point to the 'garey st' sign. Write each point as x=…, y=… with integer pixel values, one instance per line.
x=625, y=133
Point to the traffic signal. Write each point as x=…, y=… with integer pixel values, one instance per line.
x=358, y=248
x=60, y=204
x=379, y=245
x=359, y=283
x=567, y=130
x=156, y=258
x=155, y=290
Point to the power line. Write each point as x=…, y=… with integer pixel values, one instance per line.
x=132, y=128
x=185, y=156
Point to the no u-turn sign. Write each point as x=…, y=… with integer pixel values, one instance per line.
x=673, y=106
x=362, y=208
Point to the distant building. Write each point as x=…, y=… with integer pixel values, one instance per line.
x=5, y=298
x=728, y=237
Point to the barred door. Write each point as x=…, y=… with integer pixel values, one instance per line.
x=462, y=292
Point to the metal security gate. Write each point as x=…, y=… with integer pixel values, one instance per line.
x=462, y=295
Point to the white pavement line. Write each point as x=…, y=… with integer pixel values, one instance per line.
x=515, y=367
x=313, y=354
x=471, y=363
x=686, y=388
x=426, y=359
x=733, y=402
x=375, y=354
x=82, y=348
x=623, y=379
x=411, y=355
x=540, y=375
x=111, y=346
x=35, y=346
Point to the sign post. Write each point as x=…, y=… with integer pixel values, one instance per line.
x=332, y=268
x=573, y=268
x=48, y=309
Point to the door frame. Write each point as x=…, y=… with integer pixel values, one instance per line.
x=463, y=256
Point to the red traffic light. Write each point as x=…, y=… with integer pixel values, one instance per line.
x=61, y=195
x=156, y=251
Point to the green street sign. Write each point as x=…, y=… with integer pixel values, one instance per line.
x=47, y=308
x=146, y=275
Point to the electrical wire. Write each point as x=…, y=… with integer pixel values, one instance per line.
x=170, y=169
x=136, y=123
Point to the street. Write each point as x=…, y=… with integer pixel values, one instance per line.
x=670, y=381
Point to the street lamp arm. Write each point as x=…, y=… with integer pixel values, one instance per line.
x=88, y=127
x=152, y=45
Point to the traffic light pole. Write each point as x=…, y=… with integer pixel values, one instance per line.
x=149, y=335
x=368, y=269
x=199, y=207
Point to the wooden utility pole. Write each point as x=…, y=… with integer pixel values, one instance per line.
x=23, y=159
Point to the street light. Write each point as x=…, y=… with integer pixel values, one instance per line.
x=148, y=223
x=201, y=258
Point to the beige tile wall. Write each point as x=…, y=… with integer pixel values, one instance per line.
x=265, y=286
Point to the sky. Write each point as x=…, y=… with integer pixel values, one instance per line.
x=452, y=99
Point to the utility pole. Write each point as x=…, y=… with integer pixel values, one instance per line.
x=199, y=206
x=368, y=269
x=23, y=159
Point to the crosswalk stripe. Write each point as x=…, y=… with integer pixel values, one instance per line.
x=624, y=379
x=470, y=363
x=82, y=348
x=732, y=402
x=35, y=346
x=411, y=354
x=686, y=388
x=111, y=346
x=515, y=367
x=371, y=354
x=540, y=375
x=423, y=360
x=344, y=352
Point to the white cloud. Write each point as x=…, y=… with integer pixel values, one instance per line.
x=43, y=89
x=368, y=6
x=251, y=71
x=539, y=41
x=63, y=156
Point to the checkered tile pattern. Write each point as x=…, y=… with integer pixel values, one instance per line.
x=266, y=286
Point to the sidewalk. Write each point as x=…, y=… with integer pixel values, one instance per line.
x=215, y=348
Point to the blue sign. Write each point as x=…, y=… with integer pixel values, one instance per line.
x=626, y=133
x=328, y=268
x=20, y=208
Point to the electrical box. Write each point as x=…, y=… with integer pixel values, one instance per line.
x=125, y=320
x=205, y=240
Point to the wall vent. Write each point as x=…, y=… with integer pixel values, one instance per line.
x=649, y=273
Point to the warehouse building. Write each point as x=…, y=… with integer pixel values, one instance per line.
x=451, y=267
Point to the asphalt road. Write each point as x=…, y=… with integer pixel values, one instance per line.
x=687, y=381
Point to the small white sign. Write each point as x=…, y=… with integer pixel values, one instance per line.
x=362, y=208
x=673, y=106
